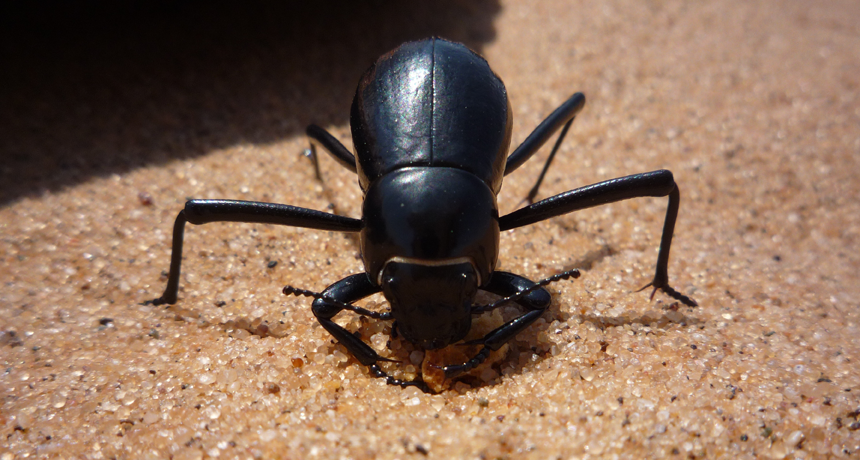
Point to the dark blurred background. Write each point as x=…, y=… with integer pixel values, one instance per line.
x=92, y=88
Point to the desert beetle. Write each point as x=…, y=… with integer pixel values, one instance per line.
x=431, y=127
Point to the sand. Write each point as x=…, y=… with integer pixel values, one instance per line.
x=112, y=119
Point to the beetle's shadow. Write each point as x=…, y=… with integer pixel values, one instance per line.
x=97, y=88
x=526, y=343
x=671, y=314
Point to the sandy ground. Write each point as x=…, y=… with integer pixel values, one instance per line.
x=112, y=120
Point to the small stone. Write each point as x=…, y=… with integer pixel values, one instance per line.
x=212, y=412
x=379, y=341
x=272, y=388
x=268, y=435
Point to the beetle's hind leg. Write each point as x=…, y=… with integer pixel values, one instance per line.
x=321, y=137
x=560, y=118
x=338, y=297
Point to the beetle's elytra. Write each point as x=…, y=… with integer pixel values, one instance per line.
x=431, y=125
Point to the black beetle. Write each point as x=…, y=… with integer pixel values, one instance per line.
x=431, y=125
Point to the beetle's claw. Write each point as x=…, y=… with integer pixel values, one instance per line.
x=646, y=287
x=668, y=290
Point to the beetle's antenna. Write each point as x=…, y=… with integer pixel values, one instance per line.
x=573, y=273
x=290, y=290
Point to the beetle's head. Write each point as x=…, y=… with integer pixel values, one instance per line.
x=431, y=302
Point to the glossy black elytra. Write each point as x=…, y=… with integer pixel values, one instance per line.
x=431, y=125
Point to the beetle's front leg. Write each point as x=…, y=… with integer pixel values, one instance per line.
x=505, y=284
x=336, y=298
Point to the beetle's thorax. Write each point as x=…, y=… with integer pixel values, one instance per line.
x=430, y=240
x=430, y=216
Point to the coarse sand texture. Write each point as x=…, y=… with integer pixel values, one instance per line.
x=111, y=119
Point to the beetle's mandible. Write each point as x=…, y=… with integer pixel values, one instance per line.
x=431, y=126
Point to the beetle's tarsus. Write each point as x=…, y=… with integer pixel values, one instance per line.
x=163, y=300
x=378, y=372
x=460, y=369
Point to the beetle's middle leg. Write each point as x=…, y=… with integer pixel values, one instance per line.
x=342, y=293
x=655, y=183
x=199, y=212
